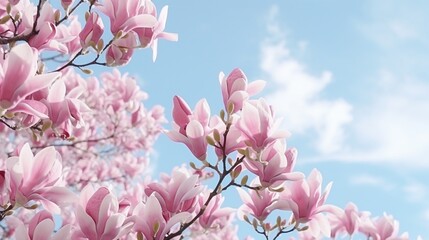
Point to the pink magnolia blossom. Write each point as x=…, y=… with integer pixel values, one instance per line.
x=150, y=222
x=149, y=36
x=69, y=36
x=99, y=217
x=126, y=15
x=346, y=221
x=37, y=178
x=214, y=216
x=65, y=110
x=236, y=90
x=233, y=139
x=177, y=194
x=45, y=39
x=386, y=228
x=258, y=204
x=191, y=128
x=92, y=32
x=274, y=165
x=41, y=227
x=258, y=125
x=18, y=79
x=305, y=198
x=121, y=50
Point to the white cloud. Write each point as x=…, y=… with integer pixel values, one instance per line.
x=371, y=180
x=298, y=94
x=415, y=192
x=391, y=127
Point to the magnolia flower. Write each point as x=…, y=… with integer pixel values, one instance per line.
x=214, y=216
x=191, y=128
x=126, y=15
x=346, y=221
x=99, y=217
x=37, y=178
x=236, y=90
x=274, y=165
x=120, y=51
x=305, y=198
x=258, y=204
x=258, y=126
x=41, y=227
x=150, y=36
x=92, y=32
x=177, y=194
x=150, y=222
x=18, y=79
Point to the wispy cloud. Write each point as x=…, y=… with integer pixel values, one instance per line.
x=298, y=94
x=371, y=180
x=392, y=128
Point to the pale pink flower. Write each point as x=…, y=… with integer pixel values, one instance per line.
x=149, y=220
x=18, y=79
x=258, y=125
x=191, y=128
x=65, y=109
x=41, y=227
x=305, y=198
x=258, y=204
x=178, y=194
x=214, y=216
x=346, y=221
x=149, y=36
x=233, y=139
x=126, y=15
x=236, y=90
x=37, y=178
x=92, y=32
x=387, y=228
x=121, y=50
x=69, y=35
x=274, y=165
x=98, y=216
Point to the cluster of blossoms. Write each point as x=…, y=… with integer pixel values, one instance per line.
x=77, y=148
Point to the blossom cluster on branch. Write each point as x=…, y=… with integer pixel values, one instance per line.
x=76, y=149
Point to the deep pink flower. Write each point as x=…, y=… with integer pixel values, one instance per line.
x=92, y=32
x=236, y=90
x=191, y=128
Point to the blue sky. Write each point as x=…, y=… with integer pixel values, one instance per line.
x=350, y=80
